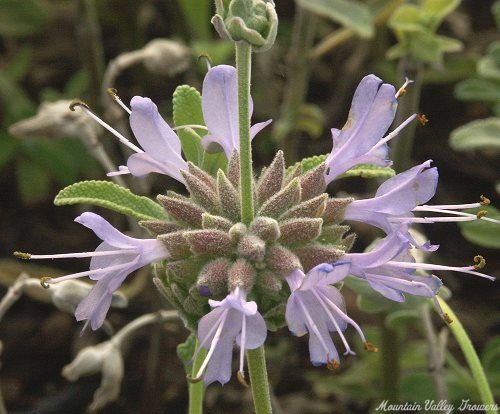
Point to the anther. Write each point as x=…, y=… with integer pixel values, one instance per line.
x=484, y=200
x=332, y=364
x=113, y=93
x=21, y=255
x=481, y=213
x=422, y=118
x=241, y=379
x=369, y=347
x=480, y=262
x=447, y=318
x=193, y=380
x=207, y=59
x=401, y=91
x=44, y=281
x=77, y=102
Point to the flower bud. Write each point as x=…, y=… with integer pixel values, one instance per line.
x=269, y=283
x=202, y=193
x=241, y=274
x=300, y=230
x=210, y=221
x=159, y=226
x=212, y=280
x=266, y=228
x=107, y=359
x=163, y=56
x=334, y=210
x=228, y=196
x=315, y=254
x=252, y=248
x=252, y=21
x=209, y=241
x=176, y=244
x=282, y=260
x=282, y=201
x=271, y=179
x=313, y=183
x=182, y=209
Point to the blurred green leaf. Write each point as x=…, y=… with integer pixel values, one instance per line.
x=15, y=100
x=187, y=111
x=186, y=350
x=369, y=171
x=495, y=10
x=479, y=134
x=490, y=357
x=417, y=388
x=434, y=11
x=310, y=120
x=352, y=14
x=20, y=64
x=401, y=318
x=32, y=181
x=7, y=149
x=22, y=18
x=482, y=232
x=489, y=66
x=475, y=89
x=197, y=16
x=111, y=196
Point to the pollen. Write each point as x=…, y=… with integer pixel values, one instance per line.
x=447, y=318
x=484, y=200
x=370, y=347
x=481, y=214
x=77, y=102
x=332, y=364
x=422, y=118
x=479, y=261
x=21, y=255
x=44, y=281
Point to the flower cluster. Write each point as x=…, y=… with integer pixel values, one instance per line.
x=227, y=278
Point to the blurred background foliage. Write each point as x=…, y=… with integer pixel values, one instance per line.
x=55, y=50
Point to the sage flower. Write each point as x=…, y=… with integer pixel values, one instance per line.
x=112, y=261
x=220, y=110
x=232, y=320
x=317, y=308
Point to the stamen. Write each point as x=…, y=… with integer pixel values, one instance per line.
x=422, y=118
x=213, y=344
x=28, y=256
x=312, y=324
x=334, y=321
x=394, y=133
x=481, y=213
x=480, y=262
x=114, y=95
x=87, y=273
x=332, y=364
x=122, y=169
x=346, y=318
x=242, y=346
x=484, y=200
x=369, y=347
x=85, y=108
x=428, y=266
x=44, y=281
x=401, y=91
x=241, y=379
x=203, y=127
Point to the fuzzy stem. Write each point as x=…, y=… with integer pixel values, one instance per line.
x=258, y=378
x=472, y=359
x=196, y=389
x=244, y=68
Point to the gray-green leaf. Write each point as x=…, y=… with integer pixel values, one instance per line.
x=479, y=134
x=482, y=232
x=111, y=196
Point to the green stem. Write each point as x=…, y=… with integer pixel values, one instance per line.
x=471, y=357
x=244, y=68
x=196, y=389
x=258, y=378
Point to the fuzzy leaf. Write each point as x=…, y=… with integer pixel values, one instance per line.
x=478, y=90
x=185, y=351
x=352, y=14
x=479, y=134
x=187, y=111
x=482, y=232
x=111, y=196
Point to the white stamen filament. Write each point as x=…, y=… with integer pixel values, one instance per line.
x=204, y=128
x=120, y=137
x=118, y=100
x=394, y=133
x=80, y=255
x=213, y=344
x=243, y=340
x=312, y=325
x=348, y=349
x=402, y=90
x=428, y=266
x=345, y=317
x=86, y=273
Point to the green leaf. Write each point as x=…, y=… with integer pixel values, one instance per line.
x=352, y=14
x=187, y=111
x=21, y=18
x=489, y=66
x=479, y=134
x=406, y=18
x=482, y=232
x=401, y=318
x=370, y=171
x=186, y=350
x=478, y=90
x=434, y=11
x=111, y=196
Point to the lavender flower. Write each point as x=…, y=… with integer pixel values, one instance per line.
x=162, y=147
x=113, y=260
x=232, y=320
x=317, y=308
x=361, y=139
x=220, y=110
